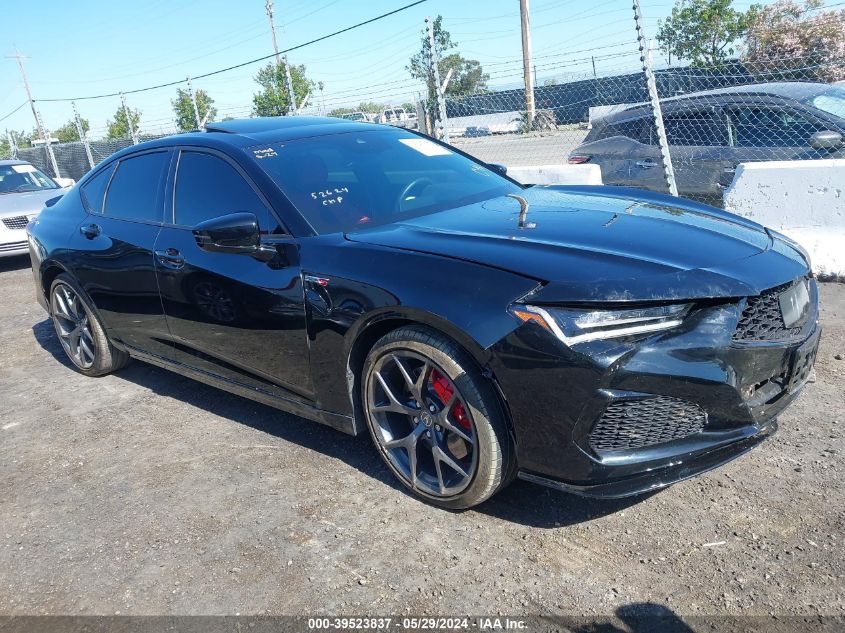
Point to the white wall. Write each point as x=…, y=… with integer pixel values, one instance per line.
x=804, y=200
x=557, y=174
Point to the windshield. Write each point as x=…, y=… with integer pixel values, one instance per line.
x=831, y=101
x=354, y=180
x=20, y=178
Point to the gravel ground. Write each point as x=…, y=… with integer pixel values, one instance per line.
x=147, y=493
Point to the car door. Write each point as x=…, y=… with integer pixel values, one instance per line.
x=233, y=315
x=698, y=145
x=112, y=250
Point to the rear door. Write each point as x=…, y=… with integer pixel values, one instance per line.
x=698, y=145
x=113, y=248
x=231, y=315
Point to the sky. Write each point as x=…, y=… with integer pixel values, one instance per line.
x=94, y=47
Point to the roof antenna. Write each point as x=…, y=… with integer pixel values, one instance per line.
x=523, y=212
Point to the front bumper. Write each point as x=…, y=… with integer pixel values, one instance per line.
x=557, y=395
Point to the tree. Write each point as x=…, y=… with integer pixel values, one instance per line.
x=273, y=100
x=119, y=126
x=183, y=108
x=467, y=74
x=702, y=32
x=338, y=112
x=796, y=41
x=68, y=132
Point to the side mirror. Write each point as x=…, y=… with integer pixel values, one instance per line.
x=64, y=182
x=498, y=168
x=236, y=233
x=826, y=140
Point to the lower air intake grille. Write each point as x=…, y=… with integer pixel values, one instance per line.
x=627, y=424
x=761, y=320
x=17, y=222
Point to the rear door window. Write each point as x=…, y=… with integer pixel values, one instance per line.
x=134, y=190
x=635, y=129
x=695, y=128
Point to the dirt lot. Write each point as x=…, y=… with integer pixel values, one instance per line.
x=148, y=493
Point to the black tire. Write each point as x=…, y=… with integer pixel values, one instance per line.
x=97, y=356
x=492, y=449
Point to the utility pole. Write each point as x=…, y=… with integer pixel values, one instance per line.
x=281, y=60
x=194, y=102
x=440, y=126
x=82, y=137
x=593, y=59
x=128, y=114
x=38, y=125
x=526, y=62
x=13, y=146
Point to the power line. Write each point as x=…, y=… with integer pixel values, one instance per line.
x=242, y=64
x=13, y=111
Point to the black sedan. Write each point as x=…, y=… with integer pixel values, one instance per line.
x=709, y=133
x=598, y=340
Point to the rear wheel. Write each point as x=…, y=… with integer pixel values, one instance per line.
x=80, y=332
x=435, y=420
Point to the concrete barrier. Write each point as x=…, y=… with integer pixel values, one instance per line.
x=804, y=200
x=557, y=174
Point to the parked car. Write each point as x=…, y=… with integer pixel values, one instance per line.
x=598, y=340
x=23, y=192
x=394, y=116
x=475, y=131
x=710, y=133
x=356, y=116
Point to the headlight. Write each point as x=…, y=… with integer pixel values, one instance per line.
x=573, y=325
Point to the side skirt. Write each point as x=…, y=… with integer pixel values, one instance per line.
x=340, y=422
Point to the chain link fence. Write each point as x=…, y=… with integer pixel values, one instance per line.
x=714, y=117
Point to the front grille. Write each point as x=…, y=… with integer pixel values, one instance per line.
x=762, y=320
x=13, y=246
x=17, y=222
x=627, y=424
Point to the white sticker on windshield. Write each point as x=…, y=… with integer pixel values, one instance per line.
x=424, y=146
x=23, y=169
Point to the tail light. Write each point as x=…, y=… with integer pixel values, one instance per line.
x=578, y=160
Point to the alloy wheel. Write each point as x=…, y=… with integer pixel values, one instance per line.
x=72, y=323
x=421, y=423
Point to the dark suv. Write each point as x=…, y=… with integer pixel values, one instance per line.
x=710, y=133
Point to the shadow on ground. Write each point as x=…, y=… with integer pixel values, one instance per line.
x=521, y=502
x=18, y=262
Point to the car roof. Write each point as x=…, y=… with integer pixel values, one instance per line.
x=797, y=90
x=243, y=133
x=13, y=162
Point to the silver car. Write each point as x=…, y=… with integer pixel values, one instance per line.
x=23, y=192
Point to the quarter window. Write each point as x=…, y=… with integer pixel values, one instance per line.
x=133, y=192
x=94, y=190
x=208, y=187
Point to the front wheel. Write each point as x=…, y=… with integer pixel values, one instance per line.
x=435, y=419
x=80, y=332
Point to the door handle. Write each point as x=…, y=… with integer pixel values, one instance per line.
x=170, y=258
x=646, y=164
x=90, y=230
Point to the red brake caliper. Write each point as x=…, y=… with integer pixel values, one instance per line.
x=444, y=391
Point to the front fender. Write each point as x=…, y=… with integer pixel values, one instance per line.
x=369, y=286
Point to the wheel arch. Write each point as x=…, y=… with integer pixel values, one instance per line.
x=364, y=335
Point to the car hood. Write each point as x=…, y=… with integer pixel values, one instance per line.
x=604, y=244
x=26, y=202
